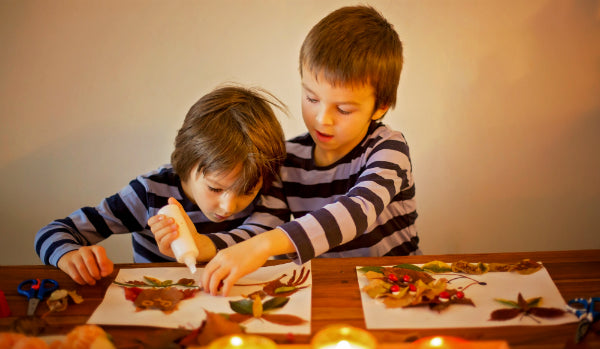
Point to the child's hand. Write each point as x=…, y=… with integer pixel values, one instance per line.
x=86, y=265
x=230, y=264
x=236, y=261
x=165, y=231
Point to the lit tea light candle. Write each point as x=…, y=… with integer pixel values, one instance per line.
x=343, y=337
x=439, y=342
x=242, y=341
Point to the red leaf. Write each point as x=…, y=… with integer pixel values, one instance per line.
x=131, y=293
x=546, y=312
x=505, y=314
x=284, y=319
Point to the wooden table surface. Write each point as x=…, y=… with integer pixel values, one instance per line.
x=336, y=299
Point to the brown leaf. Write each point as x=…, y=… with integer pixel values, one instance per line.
x=284, y=319
x=505, y=314
x=216, y=326
x=239, y=318
x=546, y=312
x=165, y=299
x=523, y=304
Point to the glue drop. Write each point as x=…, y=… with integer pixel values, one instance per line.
x=184, y=247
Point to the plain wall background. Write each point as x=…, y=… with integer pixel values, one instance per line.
x=499, y=100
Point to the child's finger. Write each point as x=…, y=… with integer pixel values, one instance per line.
x=104, y=263
x=90, y=263
x=174, y=201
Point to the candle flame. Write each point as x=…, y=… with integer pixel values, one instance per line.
x=436, y=342
x=236, y=341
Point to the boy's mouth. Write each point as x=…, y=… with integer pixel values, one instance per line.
x=323, y=137
x=219, y=217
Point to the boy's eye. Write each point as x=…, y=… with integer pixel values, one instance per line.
x=214, y=190
x=311, y=100
x=342, y=111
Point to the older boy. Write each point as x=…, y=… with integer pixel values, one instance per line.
x=348, y=182
x=229, y=145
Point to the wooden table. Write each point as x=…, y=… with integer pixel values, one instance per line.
x=336, y=299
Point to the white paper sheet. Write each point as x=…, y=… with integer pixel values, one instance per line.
x=116, y=310
x=503, y=285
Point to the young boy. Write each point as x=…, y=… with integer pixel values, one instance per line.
x=348, y=182
x=229, y=146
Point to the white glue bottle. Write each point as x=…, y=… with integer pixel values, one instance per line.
x=184, y=247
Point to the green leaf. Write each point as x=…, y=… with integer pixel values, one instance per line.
x=437, y=269
x=152, y=281
x=275, y=303
x=375, y=269
x=508, y=303
x=166, y=283
x=534, y=302
x=284, y=289
x=243, y=306
x=409, y=266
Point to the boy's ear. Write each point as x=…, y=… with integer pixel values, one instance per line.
x=380, y=112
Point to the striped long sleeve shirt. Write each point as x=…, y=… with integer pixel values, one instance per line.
x=127, y=212
x=362, y=205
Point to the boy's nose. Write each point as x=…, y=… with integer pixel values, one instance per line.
x=324, y=117
x=227, y=204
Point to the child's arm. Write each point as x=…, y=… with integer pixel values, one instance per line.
x=86, y=265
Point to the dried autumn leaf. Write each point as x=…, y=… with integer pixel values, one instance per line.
x=546, y=312
x=409, y=266
x=436, y=267
x=243, y=306
x=131, y=293
x=414, y=275
x=376, y=288
x=239, y=318
x=374, y=274
x=58, y=300
x=527, y=307
x=257, y=307
x=216, y=326
x=470, y=268
x=284, y=319
x=275, y=303
x=164, y=299
x=75, y=296
x=369, y=269
x=505, y=314
x=526, y=267
x=152, y=281
x=186, y=282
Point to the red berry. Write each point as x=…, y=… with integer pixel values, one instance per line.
x=395, y=288
x=412, y=288
x=406, y=278
x=444, y=295
x=289, y=337
x=460, y=294
x=392, y=277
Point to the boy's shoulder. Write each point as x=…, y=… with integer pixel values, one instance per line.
x=162, y=175
x=379, y=131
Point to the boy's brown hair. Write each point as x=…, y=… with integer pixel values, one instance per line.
x=229, y=126
x=355, y=46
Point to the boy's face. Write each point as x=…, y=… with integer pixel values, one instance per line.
x=212, y=194
x=337, y=117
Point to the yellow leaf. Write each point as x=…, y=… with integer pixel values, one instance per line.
x=257, y=306
x=437, y=267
